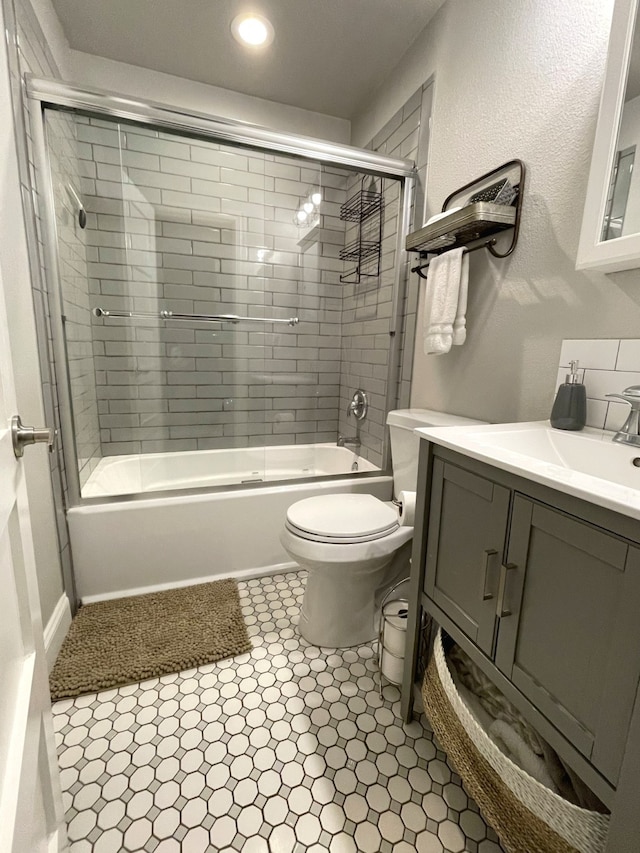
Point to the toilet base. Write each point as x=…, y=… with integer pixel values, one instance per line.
x=340, y=608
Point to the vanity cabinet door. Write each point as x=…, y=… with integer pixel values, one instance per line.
x=569, y=636
x=465, y=543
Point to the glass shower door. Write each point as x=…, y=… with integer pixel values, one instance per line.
x=190, y=230
x=214, y=328
x=171, y=262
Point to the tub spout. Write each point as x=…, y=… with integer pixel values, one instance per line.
x=352, y=442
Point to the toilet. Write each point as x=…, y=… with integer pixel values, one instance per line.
x=353, y=545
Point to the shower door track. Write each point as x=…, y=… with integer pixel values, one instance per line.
x=54, y=94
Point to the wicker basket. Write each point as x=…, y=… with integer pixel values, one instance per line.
x=527, y=816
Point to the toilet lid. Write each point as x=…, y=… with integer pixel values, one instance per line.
x=342, y=518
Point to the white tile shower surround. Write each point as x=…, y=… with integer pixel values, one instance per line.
x=607, y=366
x=286, y=749
x=367, y=305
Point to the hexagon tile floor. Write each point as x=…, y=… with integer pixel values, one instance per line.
x=286, y=749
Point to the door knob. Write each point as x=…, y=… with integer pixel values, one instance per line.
x=22, y=436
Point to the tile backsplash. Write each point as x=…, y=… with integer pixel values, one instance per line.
x=606, y=366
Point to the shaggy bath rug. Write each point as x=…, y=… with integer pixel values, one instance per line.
x=125, y=640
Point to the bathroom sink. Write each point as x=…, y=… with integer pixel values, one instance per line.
x=586, y=464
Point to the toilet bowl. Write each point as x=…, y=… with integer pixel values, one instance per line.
x=349, y=545
x=353, y=545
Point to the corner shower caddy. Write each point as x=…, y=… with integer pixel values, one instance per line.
x=363, y=207
x=477, y=221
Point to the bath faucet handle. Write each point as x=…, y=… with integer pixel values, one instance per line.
x=358, y=405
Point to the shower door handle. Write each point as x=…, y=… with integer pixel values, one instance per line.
x=22, y=436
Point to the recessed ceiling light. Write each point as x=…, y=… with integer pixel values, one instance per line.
x=252, y=30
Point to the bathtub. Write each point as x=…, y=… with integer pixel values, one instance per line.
x=152, y=472
x=125, y=547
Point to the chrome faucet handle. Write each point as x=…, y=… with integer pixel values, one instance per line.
x=629, y=432
x=630, y=395
x=358, y=405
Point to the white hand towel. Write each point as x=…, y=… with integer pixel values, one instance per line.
x=445, y=302
x=460, y=323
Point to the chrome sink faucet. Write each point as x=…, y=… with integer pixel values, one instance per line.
x=629, y=432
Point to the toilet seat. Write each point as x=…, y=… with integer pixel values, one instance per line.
x=341, y=519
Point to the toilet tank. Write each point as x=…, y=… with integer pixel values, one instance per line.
x=405, y=443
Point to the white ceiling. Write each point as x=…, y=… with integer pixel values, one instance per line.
x=328, y=55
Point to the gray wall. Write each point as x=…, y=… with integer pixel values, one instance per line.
x=192, y=96
x=535, y=96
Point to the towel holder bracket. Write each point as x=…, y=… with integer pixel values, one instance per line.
x=473, y=223
x=488, y=244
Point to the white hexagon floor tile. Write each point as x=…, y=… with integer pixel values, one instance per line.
x=288, y=748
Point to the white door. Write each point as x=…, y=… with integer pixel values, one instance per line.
x=31, y=815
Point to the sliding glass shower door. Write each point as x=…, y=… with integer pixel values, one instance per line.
x=202, y=305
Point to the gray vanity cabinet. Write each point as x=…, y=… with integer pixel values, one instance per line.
x=542, y=590
x=568, y=632
x=465, y=542
x=545, y=588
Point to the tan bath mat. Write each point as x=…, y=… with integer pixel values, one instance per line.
x=125, y=640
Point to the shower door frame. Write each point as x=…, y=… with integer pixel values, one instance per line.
x=44, y=93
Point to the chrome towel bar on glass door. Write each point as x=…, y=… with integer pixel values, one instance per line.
x=194, y=318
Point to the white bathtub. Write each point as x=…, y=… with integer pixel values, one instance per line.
x=152, y=472
x=130, y=546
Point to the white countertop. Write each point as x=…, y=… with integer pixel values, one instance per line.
x=585, y=463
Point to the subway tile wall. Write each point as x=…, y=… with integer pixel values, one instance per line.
x=74, y=282
x=190, y=226
x=606, y=366
x=368, y=304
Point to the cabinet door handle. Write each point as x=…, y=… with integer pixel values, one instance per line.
x=502, y=590
x=489, y=552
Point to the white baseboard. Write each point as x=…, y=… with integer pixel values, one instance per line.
x=56, y=629
x=241, y=575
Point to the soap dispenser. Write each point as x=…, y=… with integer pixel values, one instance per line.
x=570, y=406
